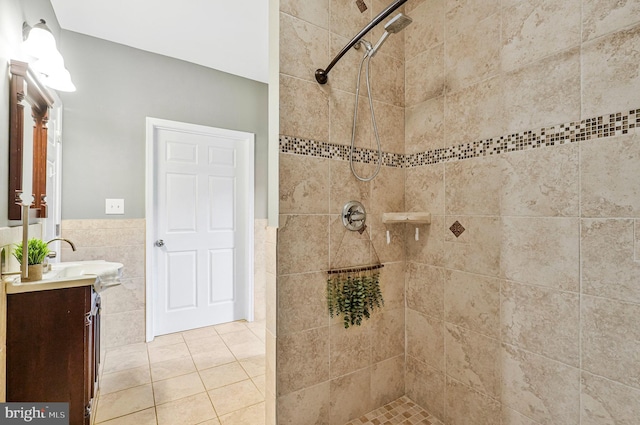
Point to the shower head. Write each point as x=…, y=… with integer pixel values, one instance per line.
x=394, y=26
x=397, y=23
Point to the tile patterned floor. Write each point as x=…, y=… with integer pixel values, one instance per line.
x=402, y=411
x=208, y=376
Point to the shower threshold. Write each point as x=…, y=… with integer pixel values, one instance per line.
x=402, y=411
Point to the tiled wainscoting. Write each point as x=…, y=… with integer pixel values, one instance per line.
x=123, y=241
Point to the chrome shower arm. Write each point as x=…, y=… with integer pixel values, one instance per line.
x=322, y=75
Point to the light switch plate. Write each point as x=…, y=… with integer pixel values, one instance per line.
x=114, y=206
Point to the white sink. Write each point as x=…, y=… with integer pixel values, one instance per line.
x=107, y=273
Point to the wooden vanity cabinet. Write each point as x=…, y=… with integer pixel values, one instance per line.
x=53, y=348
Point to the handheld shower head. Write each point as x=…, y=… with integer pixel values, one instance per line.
x=397, y=23
x=394, y=26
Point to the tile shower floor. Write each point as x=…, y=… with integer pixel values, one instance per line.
x=402, y=411
x=209, y=376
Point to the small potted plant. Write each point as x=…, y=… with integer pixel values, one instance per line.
x=38, y=250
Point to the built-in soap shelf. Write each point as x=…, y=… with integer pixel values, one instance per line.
x=406, y=217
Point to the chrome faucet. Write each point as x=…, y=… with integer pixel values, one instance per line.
x=53, y=254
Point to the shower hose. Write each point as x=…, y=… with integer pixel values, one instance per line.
x=367, y=58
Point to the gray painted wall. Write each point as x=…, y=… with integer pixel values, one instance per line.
x=12, y=14
x=104, y=120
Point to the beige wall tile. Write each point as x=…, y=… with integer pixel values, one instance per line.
x=542, y=251
x=304, y=184
x=341, y=105
x=425, y=75
x=472, y=302
x=302, y=360
x=388, y=73
x=387, y=334
x=611, y=339
x=425, y=189
x=533, y=29
x=425, y=289
x=478, y=249
x=539, y=388
x=344, y=405
x=390, y=123
x=424, y=126
x=427, y=28
x=315, y=12
x=608, y=172
x=387, y=194
x=128, y=296
x=307, y=406
x=123, y=328
x=392, y=252
x=542, y=320
x=463, y=14
x=344, y=74
x=474, y=187
x=350, y=349
x=430, y=248
x=392, y=285
x=425, y=339
x=473, y=360
x=304, y=109
x=304, y=48
x=425, y=386
x=541, y=182
x=387, y=381
x=610, y=79
x=544, y=93
x=609, y=268
x=346, y=19
x=302, y=302
x=601, y=17
x=475, y=112
x=345, y=188
x=608, y=402
x=463, y=403
x=348, y=248
x=473, y=55
x=511, y=417
x=303, y=243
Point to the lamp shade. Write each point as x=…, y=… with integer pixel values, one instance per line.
x=40, y=41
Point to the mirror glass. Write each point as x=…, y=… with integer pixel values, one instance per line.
x=27, y=151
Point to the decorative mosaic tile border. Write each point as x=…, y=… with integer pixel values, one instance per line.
x=593, y=128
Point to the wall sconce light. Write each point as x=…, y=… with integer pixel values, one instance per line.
x=40, y=44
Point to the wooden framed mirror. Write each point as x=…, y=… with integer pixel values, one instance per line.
x=27, y=93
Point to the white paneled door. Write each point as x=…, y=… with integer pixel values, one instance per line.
x=201, y=221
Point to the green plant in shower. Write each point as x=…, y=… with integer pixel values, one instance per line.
x=353, y=296
x=38, y=250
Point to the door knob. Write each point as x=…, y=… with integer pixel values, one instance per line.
x=159, y=243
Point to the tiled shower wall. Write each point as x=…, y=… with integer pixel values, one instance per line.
x=529, y=315
x=326, y=374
